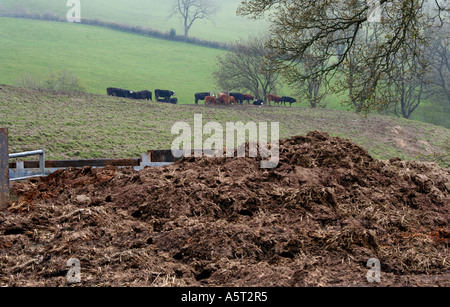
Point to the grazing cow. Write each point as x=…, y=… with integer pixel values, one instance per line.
x=164, y=94
x=273, y=98
x=210, y=100
x=233, y=100
x=118, y=92
x=258, y=103
x=224, y=99
x=201, y=96
x=110, y=91
x=168, y=100
x=144, y=95
x=238, y=96
x=285, y=99
x=248, y=97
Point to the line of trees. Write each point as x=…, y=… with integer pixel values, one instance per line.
x=169, y=35
x=323, y=47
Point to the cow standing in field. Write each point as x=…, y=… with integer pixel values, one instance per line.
x=290, y=100
x=210, y=100
x=224, y=99
x=110, y=91
x=201, y=96
x=118, y=92
x=144, y=95
x=248, y=97
x=238, y=97
x=164, y=94
x=274, y=98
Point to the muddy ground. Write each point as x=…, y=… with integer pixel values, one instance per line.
x=315, y=220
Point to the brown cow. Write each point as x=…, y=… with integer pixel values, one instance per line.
x=274, y=98
x=248, y=97
x=224, y=99
x=210, y=100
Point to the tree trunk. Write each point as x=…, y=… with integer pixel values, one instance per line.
x=186, y=27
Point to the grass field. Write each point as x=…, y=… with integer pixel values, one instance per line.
x=150, y=14
x=82, y=126
x=101, y=58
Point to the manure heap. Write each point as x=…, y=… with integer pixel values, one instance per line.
x=315, y=220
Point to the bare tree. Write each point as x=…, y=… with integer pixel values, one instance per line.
x=328, y=25
x=192, y=10
x=438, y=55
x=355, y=69
x=249, y=67
x=407, y=84
x=312, y=88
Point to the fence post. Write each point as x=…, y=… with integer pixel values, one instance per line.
x=42, y=162
x=4, y=167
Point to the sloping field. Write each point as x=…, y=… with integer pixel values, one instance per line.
x=148, y=14
x=315, y=220
x=77, y=126
x=103, y=58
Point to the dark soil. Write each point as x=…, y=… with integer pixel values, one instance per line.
x=315, y=220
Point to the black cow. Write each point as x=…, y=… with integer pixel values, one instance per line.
x=164, y=94
x=148, y=94
x=169, y=100
x=201, y=96
x=258, y=103
x=118, y=92
x=290, y=100
x=238, y=97
x=110, y=91
x=144, y=95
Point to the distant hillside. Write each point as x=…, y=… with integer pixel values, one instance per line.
x=148, y=13
x=101, y=58
x=82, y=126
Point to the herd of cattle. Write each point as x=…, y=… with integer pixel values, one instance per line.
x=160, y=95
x=239, y=98
x=209, y=98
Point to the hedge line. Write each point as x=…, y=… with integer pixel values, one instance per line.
x=170, y=35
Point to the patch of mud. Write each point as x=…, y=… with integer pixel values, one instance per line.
x=406, y=140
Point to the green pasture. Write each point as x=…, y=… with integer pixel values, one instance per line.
x=103, y=58
x=149, y=14
x=84, y=126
